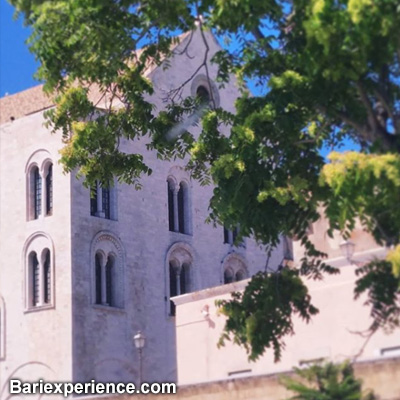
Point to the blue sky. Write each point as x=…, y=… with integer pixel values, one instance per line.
x=17, y=64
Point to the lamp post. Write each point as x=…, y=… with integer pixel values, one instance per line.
x=347, y=247
x=139, y=339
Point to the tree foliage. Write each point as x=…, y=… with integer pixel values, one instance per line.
x=327, y=70
x=327, y=382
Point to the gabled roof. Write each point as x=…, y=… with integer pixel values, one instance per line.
x=35, y=100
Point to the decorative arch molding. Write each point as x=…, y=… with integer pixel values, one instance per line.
x=40, y=158
x=177, y=174
x=106, y=237
x=235, y=266
x=2, y=328
x=181, y=252
x=38, y=237
x=108, y=276
x=180, y=273
x=41, y=245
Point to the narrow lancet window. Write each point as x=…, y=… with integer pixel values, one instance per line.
x=49, y=190
x=98, y=278
x=47, y=278
x=170, y=206
x=37, y=192
x=35, y=276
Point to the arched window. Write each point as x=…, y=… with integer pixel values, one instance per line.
x=178, y=207
x=35, y=279
x=171, y=212
x=39, y=179
x=182, y=200
x=40, y=293
x=180, y=263
x=108, y=261
x=98, y=279
x=39, y=269
x=49, y=190
x=234, y=268
x=179, y=281
x=37, y=192
x=109, y=281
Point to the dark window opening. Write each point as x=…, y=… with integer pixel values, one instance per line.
x=49, y=191
x=98, y=278
x=203, y=94
x=37, y=179
x=239, y=276
x=226, y=235
x=170, y=206
x=47, y=279
x=230, y=236
x=228, y=276
x=93, y=201
x=35, y=279
x=181, y=209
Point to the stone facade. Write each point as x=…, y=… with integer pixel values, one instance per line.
x=73, y=334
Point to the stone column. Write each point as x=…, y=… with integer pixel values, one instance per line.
x=100, y=212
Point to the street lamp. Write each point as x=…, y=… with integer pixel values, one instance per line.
x=347, y=247
x=139, y=339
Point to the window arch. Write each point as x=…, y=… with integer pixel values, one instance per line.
x=38, y=257
x=180, y=273
x=234, y=268
x=39, y=176
x=178, y=190
x=108, y=261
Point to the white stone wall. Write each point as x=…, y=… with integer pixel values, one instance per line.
x=331, y=335
x=37, y=342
